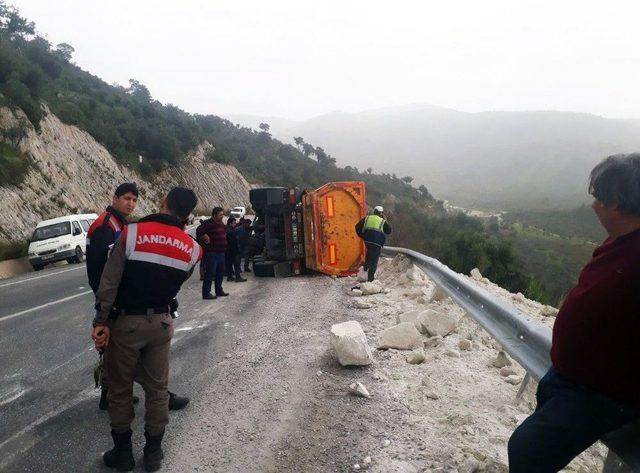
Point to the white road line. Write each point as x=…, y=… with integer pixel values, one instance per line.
x=40, y=277
x=33, y=309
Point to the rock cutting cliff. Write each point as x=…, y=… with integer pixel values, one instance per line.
x=71, y=172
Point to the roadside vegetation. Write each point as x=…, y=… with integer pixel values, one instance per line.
x=579, y=222
x=14, y=165
x=13, y=249
x=555, y=260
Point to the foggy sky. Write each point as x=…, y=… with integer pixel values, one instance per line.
x=297, y=58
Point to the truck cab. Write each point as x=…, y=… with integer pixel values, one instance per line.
x=309, y=229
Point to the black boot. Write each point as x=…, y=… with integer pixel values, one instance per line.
x=177, y=402
x=153, y=452
x=120, y=456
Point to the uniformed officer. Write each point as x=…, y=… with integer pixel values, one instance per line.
x=373, y=230
x=142, y=276
x=102, y=234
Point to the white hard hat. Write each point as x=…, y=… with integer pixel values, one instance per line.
x=378, y=208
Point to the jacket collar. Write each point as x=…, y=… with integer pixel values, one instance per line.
x=118, y=215
x=163, y=218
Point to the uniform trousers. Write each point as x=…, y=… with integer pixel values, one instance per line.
x=371, y=259
x=145, y=340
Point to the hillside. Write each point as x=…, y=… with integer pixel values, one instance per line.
x=70, y=172
x=500, y=160
x=130, y=123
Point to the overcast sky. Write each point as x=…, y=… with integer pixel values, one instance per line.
x=297, y=58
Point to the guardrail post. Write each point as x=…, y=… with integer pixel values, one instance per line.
x=523, y=387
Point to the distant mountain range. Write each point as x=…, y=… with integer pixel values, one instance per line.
x=505, y=160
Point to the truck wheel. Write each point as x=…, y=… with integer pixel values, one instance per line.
x=38, y=267
x=264, y=269
x=79, y=256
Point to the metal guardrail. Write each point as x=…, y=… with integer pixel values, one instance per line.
x=525, y=340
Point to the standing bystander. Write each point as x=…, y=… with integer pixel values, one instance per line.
x=592, y=387
x=212, y=235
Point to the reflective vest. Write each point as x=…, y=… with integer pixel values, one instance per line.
x=373, y=230
x=159, y=258
x=374, y=222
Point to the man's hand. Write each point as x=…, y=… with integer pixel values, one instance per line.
x=205, y=239
x=100, y=336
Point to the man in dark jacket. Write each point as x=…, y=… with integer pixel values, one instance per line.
x=243, y=231
x=373, y=230
x=232, y=254
x=212, y=235
x=142, y=276
x=593, y=386
x=101, y=236
x=105, y=230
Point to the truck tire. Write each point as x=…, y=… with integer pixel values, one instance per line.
x=264, y=269
x=38, y=267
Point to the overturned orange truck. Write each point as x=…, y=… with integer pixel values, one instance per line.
x=296, y=230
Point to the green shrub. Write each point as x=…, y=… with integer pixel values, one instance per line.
x=13, y=165
x=13, y=249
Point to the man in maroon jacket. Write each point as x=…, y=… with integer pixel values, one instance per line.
x=593, y=385
x=212, y=235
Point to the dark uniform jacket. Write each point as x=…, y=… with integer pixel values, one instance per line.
x=233, y=245
x=242, y=233
x=148, y=264
x=101, y=235
x=217, y=232
x=373, y=234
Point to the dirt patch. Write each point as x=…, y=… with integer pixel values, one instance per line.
x=14, y=267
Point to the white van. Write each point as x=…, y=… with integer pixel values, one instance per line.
x=57, y=239
x=237, y=212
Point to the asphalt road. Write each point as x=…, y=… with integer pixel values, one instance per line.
x=49, y=419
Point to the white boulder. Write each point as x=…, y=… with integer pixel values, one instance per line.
x=437, y=323
x=358, y=389
x=373, y=287
x=501, y=360
x=403, y=336
x=350, y=344
x=438, y=294
x=416, y=357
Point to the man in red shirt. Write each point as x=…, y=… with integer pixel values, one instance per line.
x=212, y=235
x=593, y=385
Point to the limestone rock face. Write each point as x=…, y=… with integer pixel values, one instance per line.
x=73, y=173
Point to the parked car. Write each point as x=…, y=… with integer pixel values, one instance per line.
x=61, y=238
x=238, y=212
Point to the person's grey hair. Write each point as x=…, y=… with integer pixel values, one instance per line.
x=616, y=180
